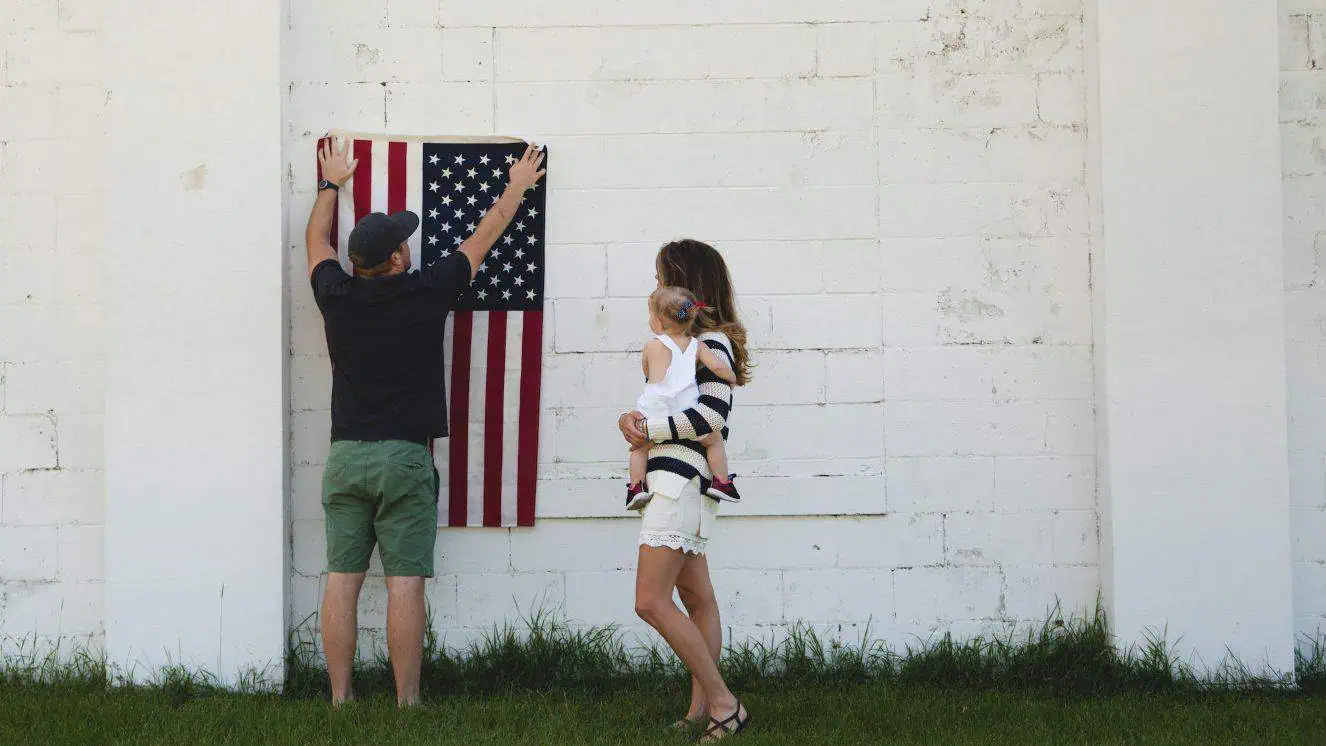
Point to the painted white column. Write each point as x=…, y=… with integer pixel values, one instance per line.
x=1189, y=320
x=195, y=423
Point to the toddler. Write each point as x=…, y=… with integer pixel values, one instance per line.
x=669, y=361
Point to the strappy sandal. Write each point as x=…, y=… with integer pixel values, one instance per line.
x=731, y=725
x=684, y=724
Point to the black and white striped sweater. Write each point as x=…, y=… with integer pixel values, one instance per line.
x=679, y=457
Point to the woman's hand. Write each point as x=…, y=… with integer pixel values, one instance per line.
x=632, y=426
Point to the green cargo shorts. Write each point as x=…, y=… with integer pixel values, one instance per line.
x=384, y=493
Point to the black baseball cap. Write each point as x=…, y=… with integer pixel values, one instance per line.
x=377, y=235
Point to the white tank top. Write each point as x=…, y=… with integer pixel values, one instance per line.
x=678, y=390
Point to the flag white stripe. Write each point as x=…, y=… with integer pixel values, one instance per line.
x=441, y=448
x=379, y=182
x=414, y=198
x=478, y=376
x=345, y=220
x=515, y=325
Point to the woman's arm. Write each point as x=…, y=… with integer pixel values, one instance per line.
x=709, y=415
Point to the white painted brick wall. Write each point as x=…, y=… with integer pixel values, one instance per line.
x=899, y=192
x=899, y=189
x=51, y=356
x=1303, y=129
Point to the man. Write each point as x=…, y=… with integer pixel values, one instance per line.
x=384, y=330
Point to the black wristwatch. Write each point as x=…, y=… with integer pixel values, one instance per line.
x=324, y=184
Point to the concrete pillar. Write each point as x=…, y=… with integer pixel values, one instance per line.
x=1189, y=322
x=195, y=405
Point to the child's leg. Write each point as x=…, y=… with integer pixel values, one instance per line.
x=716, y=453
x=639, y=464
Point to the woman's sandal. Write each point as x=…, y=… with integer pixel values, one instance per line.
x=686, y=724
x=729, y=726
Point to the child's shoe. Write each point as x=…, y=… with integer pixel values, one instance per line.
x=724, y=489
x=636, y=496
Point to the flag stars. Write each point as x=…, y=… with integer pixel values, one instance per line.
x=434, y=186
x=459, y=240
x=531, y=267
x=446, y=173
x=496, y=281
x=446, y=200
x=520, y=227
x=469, y=227
x=470, y=200
x=530, y=294
x=432, y=240
x=519, y=280
x=432, y=214
x=484, y=159
x=460, y=160
x=482, y=294
x=520, y=253
x=460, y=214
x=532, y=240
x=472, y=173
x=459, y=186
x=533, y=212
x=446, y=227
x=484, y=187
x=433, y=159
x=508, y=240
x=497, y=174
x=510, y=159
x=495, y=254
x=506, y=295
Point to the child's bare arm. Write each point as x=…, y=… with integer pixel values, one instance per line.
x=656, y=361
x=715, y=363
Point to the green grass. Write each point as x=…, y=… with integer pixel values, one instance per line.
x=870, y=713
x=545, y=683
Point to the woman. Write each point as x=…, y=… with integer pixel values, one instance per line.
x=676, y=523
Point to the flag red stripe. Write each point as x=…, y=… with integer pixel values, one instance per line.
x=395, y=177
x=492, y=419
x=363, y=191
x=458, y=472
x=527, y=451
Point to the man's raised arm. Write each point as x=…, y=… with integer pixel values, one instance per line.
x=337, y=167
x=523, y=175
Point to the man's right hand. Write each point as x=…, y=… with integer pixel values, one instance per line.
x=525, y=172
x=337, y=165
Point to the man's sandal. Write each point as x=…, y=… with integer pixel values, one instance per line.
x=729, y=726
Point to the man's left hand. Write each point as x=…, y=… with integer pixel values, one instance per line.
x=337, y=165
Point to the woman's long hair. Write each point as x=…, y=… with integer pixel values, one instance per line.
x=699, y=267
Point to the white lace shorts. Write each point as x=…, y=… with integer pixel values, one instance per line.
x=683, y=522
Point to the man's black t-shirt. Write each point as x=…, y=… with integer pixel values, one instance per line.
x=385, y=339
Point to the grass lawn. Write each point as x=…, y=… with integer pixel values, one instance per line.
x=864, y=714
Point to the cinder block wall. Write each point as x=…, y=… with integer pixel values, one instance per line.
x=898, y=188
x=52, y=371
x=1303, y=132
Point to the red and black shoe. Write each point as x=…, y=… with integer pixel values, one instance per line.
x=636, y=496
x=725, y=489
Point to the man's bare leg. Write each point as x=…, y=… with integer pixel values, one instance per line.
x=340, y=630
x=405, y=635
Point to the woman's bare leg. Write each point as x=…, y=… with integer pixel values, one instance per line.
x=697, y=595
x=656, y=576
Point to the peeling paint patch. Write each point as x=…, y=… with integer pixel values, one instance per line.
x=194, y=179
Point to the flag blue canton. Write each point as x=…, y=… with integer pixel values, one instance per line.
x=461, y=181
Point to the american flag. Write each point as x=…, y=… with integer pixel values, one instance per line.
x=495, y=337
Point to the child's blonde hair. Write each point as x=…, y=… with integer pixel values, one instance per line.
x=676, y=308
